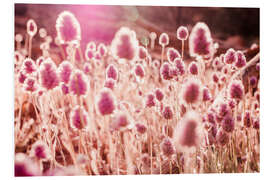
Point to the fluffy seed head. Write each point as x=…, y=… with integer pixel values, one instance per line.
x=182, y=33
x=241, y=59
x=150, y=100
x=165, y=71
x=167, y=112
x=159, y=94
x=188, y=133
x=87, y=68
x=31, y=27
x=105, y=103
x=79, y=83
x=21, y=77
x=253, y=81
x=191, y=91
x=79, y=118
x=141, y=128
x=230, y=56
x=222, y=137
x=120, y=121
x=200, y=41
x=125, y=44
x=236, y=89
x=24, y=166
x=228, y=123
x=65, y=70
x=30, y=84
x=167, y=148
x=48, y=76
x=40, y=150
x=112, y=72
x=102, y=49
x=193, y=68
x=139, y=71
x=206, y=94
x=91, y=46
x=180, y=65
x=142, y=52
x=89, y=54
x=172, y=54
x=29, y=67
x=109, y=83
x=68, y=28
x=164, y=39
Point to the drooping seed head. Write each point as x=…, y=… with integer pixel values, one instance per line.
x=48, y=76
x=79, y=118
x=241, y=59
x=164, y=39
x=125, y=44
x=65, y=71
x=150, y=100
x=193, y=68
x=172, y=54
x=102, y=49
x=167, y=112
x=206, y=94
x=40, y=150
x=105, y=102
x=230, y=56
x=188, y=133
x=182, y=33
x=200, y=41
x=68, y=28
x=191, y=91
x=31, y=27
x=165, y=71
x=167, y=147
x=79, y=83
x=180, y=65
x=24, y=166
x=236, y=89
x=112, y=72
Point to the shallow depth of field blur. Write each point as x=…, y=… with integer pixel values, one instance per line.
x=110, y=90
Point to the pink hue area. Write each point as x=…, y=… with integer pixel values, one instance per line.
x=78, y=118
x=164, y=39
x=182, y=33
x=167, y=147
x=65, y=70
x=150, y=101
x=180, y=65
x=241, y=59
x=109, y=83
x=230, y=56
x=165, y=71
x=172, y=54
x=159, y=94
x=206, y=94
x=167, y=112
x=236, y=89
x=193, y=68
x=141, y=128
x=48, y=75
x=78, y=83
x=191, y=93
x=112, y=72
x=139, y=71
x=106, y=103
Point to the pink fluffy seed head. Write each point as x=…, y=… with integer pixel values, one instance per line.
x=139, y=71
x=228, y=123
x=200, y=41
x=40, y=150
x=141, y=128
x=191, y=91
x=167, y=147
x=29, y=67
x=102, y=49
x=165, y=71
x=236, y=89
x=112, y=72
x=120, y=121
x=64, y=88
x=65, y=71
x=30, y=84
x=241, y=59
x=253, y=81
x=215, y=77
x=142, y=52
x=172, y=54
x=163, y=39
x=159, y=94
x=206, y=94
x=109, y=83
x=79, y=83
x=68, y=28
x=188, y=133
x=193, y=68
x=230, y=56
x=211, y=117
x=31, y=27
x=223, y=109
x=24, y=166
x=182, y=33
x=167, y=112
x=180, y=65
x=48, y=76
x=150, y=101
x=105, y=102
x=87, y=69
x=89, y=54
x=79, y=118
x=91, y=46
x=21, y=77
x=125, y=44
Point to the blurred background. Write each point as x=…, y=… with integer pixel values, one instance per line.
x=230, y=27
